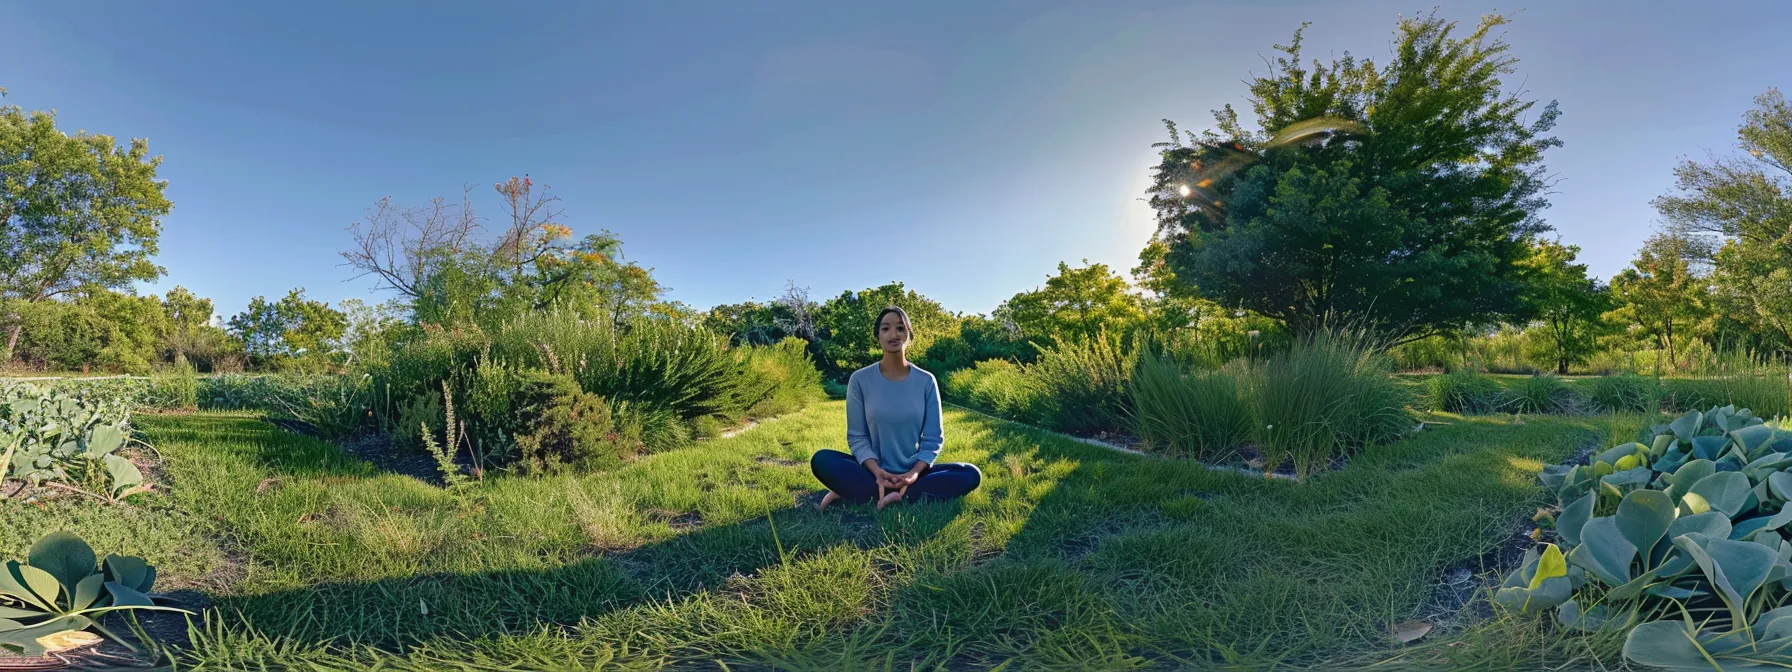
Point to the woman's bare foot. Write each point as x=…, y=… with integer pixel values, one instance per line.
x=827, y=499
x=893, y=497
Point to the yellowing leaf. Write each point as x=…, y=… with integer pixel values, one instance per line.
x=67, y=640
x=1629, y=462
x=1550, y=565
x=1692, y=504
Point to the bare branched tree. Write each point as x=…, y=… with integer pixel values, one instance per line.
x=800, y=322
x=534, y=222
x=400, y=245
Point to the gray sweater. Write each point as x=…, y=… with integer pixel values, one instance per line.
x=897, y=423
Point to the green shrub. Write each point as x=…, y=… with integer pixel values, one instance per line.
x=1688, y=520
x=1625, y=392
x=1466, y=391
x=1083, y=384
x=1432, y=353
x=996, y=386
x=1326, y=396
x=776, y=379
x=174, y=388
x=1765, y=388
x=1200, y=415
x=569, y=428
x=334, y=406
x=420, y=414
x=652, y=362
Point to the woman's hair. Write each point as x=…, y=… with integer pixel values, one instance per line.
x=907, y=327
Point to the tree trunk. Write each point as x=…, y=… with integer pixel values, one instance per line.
x=12, y=342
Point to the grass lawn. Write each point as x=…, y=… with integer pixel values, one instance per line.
x=1071, y=556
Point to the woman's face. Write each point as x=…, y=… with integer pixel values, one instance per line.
x=891, y=335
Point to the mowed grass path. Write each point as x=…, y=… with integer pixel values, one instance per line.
x=1070, y=557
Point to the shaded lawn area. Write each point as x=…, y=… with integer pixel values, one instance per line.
x=1071, y=556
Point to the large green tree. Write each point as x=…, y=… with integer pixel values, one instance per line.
x=1404, y=195
x=77, y=213
x=1567, y=302
x=1661, y=297
x=846, y=325
x=191, y=336
x=1076, y=304
x=1743, y=205
x=291, y=332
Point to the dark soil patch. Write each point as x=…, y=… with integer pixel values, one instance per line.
x=678, y=521
x=378, y=450
x=163, y=630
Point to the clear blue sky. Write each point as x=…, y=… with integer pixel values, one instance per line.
x=964, y=148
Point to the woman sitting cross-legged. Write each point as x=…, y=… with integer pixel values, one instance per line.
x=893, y=429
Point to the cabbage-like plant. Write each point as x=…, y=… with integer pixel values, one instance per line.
x=1692, y=519
x=63, y=587
x=47, y=435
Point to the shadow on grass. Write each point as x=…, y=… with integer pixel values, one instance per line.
x=395, y=613
x=1072, y=556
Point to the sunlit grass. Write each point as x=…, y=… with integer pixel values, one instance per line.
x=1070, y=557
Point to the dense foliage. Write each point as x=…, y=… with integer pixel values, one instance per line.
x=58, y=436
x=77, y=212
x=1678, y=539
x=1404, y=194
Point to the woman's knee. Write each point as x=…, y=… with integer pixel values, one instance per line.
x=974, y=475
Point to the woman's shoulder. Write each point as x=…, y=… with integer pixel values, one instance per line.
x=923, y=373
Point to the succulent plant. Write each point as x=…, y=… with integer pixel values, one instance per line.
x=63, y=587
x=1691, y=518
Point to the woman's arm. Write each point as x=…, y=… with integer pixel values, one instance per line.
x=858, y=433
x=933, y=437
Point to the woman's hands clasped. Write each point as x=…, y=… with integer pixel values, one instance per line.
x=891, y=486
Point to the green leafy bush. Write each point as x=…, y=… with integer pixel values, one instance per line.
x=1466, y=391
x=1327, y=395
x=62, y=586
x=776, y=379
x=1625, y=392
x=54, y=436
x=1083, y=384
x=653, y=362
x=567, y=427
x=1690, y=519
x=1200, y=415
x=996, y=386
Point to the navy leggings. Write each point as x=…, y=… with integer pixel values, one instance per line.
x=855, y=484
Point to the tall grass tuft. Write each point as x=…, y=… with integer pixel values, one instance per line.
x=1199, y=415
x=1625, y=392
x=1465, y=391
x=1328, y=394
x=1541, y=393
x=1084, y=384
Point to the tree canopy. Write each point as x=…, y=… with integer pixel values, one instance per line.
x=1567, y=302
x=1403, y=195
x=1741, y=207
x=1076, y=304
x=77, y=212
